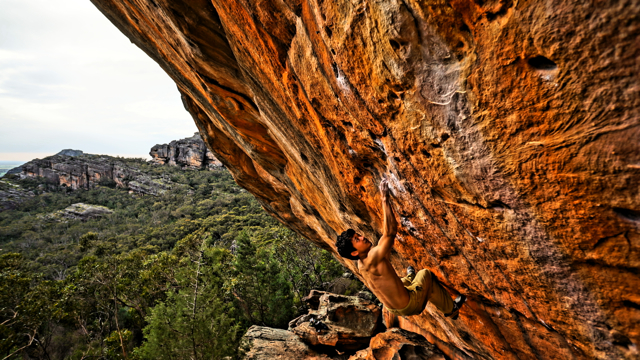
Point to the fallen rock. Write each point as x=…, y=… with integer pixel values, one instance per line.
x=398, y=344
x=189, y=153
x=84, y=212
x=267, y=343
x=313, y=299
x=344, y=322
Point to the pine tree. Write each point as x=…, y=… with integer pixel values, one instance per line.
x=259, y=286
x=194, y=322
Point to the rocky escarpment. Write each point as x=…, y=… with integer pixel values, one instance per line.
x=76, y=170
x=509, y=130
x=189, y=153
x=395, y=344
x=268, y=343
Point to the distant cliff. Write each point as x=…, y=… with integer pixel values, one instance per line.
x=84, y=171
x=187, y=153
x=77, y=170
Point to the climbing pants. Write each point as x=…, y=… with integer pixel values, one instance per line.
x=423, y=287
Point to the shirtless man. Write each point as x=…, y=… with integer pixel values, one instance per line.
x=406, y=296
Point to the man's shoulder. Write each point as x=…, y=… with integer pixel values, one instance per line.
x=362, y=265
x=368, y=262
x=376, y=255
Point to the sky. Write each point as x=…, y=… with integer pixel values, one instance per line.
x=69, y=79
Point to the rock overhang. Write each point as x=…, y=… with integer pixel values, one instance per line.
x=509, y=131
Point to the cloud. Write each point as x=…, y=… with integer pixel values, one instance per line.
x=70, y=79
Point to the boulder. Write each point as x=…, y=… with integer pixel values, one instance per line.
x=398, y=344
x=83, y=212
x=276, y=344
x=344, y=322
x=313, y=299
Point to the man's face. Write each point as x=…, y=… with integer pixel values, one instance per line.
x=360, y=244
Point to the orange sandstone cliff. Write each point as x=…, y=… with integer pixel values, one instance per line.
x=510, y=130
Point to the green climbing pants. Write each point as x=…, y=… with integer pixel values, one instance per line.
x=423, y=288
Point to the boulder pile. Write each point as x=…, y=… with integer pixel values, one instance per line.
x=338, y=327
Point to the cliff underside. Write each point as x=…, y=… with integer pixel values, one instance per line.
x=509, y=130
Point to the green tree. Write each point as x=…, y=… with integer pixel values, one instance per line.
x=27, y=302
x=86, y=239
x=259, y=286
x=304, y=265
x=195, y=321
x=87, y=289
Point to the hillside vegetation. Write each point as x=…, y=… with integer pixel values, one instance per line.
x=179, y=275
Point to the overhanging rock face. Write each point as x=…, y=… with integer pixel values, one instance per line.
x=509, y=129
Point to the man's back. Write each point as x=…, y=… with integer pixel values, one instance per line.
x=382, y=280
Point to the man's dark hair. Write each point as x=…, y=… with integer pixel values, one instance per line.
x=344, y=245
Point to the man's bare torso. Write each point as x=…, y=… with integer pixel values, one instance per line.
x=383, y=281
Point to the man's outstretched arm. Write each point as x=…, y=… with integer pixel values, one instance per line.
x=390, y=227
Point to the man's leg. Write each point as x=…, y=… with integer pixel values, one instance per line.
x=431, y=290
x=422, y=286
x=440, y=297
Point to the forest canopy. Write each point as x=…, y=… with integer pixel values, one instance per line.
x=179, y=275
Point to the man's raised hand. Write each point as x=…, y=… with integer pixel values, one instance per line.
x=384, y=189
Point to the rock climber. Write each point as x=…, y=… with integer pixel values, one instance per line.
x=401, y=296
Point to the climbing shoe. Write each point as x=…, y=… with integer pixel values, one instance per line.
x=411, y=271
x=457, y=304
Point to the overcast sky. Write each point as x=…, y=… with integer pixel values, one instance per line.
x=70, y=79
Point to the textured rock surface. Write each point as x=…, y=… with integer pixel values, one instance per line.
x=71, y=152
x=187, y=153
x=348, y=322
x=509, y=129
x=267, y=343
x=398, y=344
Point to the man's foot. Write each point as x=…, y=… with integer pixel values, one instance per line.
x=457, y=304
x=411, y=271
